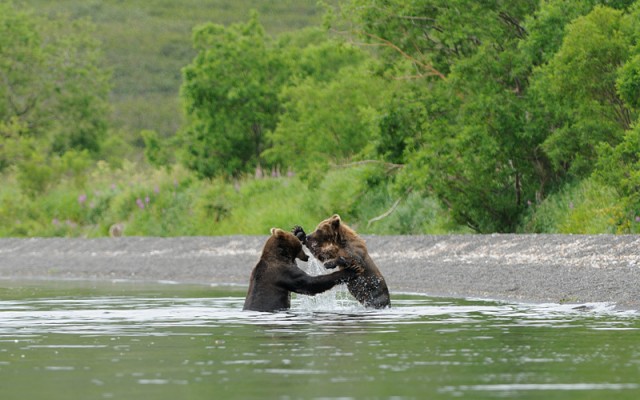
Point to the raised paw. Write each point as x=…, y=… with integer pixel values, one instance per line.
x=299, y=233
x=336, y=262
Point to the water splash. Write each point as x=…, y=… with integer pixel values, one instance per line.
x=334, y=300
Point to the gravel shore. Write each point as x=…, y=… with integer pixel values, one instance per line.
x=525, y=268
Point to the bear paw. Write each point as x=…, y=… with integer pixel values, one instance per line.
x=337, y=262
x=344, y=264
x=299, y=233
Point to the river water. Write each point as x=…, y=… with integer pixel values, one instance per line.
x=128, y=340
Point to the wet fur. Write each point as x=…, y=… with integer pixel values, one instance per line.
x=277, y=275
x=338, y=246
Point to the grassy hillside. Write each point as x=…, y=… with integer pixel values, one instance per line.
x=147, y=42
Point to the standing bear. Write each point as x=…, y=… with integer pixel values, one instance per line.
x=337, y=245
x=277, y=275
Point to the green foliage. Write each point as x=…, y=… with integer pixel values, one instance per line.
x=252, y=102
x=230, y=98
x=586, y=207
x=155, y=151
x=52, y=80
x=146, y=43
x=53, y=100
x=628, y=82
x=325, y=123
x=311, y=53
x=158, y=202
x=434, y=34
x=14, y=137
x=399, y=126
x=585, y=66
x=516, y=97
x=619, y=167
x=421, y=117
x=415, y=214
x=546, y=28
x=344, y=191
x=34, y=175
x=471, y=150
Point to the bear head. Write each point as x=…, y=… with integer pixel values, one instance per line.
x=283, y=245
x=330, y=236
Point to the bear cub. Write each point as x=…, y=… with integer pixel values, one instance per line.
x=337, y=245
x=277, y=275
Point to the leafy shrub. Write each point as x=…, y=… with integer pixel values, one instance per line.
x=586, y=207
x=415, y=214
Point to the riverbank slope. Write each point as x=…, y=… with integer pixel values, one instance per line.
x=526, y=268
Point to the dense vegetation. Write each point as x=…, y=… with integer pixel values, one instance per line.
x=404, y=117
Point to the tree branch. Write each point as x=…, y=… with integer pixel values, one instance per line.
x=431, y=71
x=390, y=166
x=521, y=32
x=386, y=214
x=391, y=210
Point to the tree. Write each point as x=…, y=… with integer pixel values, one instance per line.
x=432, y=35
x=514, y=95
x=474, y=154
x=468, y=149
x=52, y=81
x=618, y=164
x=578, y=89
x=327, y=112
x=230, y=97
x=619, y=167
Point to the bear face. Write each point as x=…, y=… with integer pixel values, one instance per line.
x=337, y=245
x=330, y=236
x=284, y=245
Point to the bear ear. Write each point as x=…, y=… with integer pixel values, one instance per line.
x=335, y=221
x=276, y=231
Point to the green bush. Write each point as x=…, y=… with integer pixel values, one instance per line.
x=416, y=214
x=586, y=207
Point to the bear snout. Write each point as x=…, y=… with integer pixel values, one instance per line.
x=310, y=241
x=303, y=256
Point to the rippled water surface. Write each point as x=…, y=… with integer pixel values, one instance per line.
x=127, y=340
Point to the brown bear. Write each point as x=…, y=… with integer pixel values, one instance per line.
x=337, y=245
x=277, y=275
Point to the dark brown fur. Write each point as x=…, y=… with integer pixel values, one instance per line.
x=277, y=275
x=337, y=245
